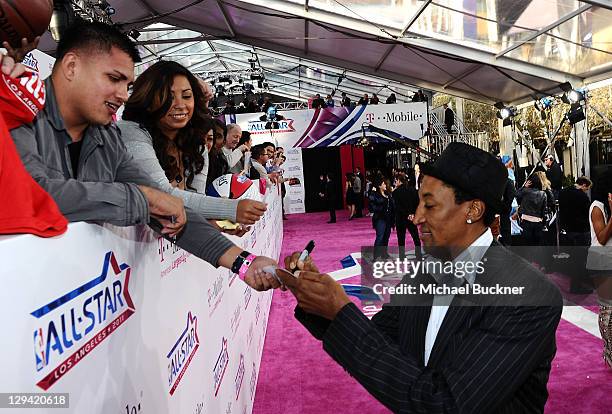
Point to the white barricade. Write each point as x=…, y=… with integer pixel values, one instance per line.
x=125, y=322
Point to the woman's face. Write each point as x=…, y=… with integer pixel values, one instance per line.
x=219, y=138
x=383, y=187
x=209, y=139
x=181, y=110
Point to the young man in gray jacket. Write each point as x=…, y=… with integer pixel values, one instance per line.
x=75, y=153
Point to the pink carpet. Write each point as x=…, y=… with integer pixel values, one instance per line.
x=297, y=376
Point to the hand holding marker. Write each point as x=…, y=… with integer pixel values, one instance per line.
x=305, y=253
x=303, y=256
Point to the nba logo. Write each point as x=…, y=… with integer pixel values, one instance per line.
x=39, y=349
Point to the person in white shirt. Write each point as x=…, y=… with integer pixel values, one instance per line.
x=233, y=153
x=599, y=262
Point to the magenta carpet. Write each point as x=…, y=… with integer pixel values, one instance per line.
x=297, y=376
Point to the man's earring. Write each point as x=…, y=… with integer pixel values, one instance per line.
x=469, y=221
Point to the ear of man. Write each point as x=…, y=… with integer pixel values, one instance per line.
x=476, y=210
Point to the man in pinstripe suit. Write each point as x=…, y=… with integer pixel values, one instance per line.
x=429, y=357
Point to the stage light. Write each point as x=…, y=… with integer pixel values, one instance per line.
x=571, y=95
x=575, y=114
x=505, y=113
x=134, y=34
x=224, y=79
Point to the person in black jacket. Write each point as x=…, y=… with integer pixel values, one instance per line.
x=532, y=213
x=318, y=102
x=346, y=101
x=449, y=118
x=406, y=199
x=327, y=192
x=574, y=204
x=505, y=229
x=383, y=218
x=554, y=174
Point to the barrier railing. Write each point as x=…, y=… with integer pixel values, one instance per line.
x=124, y=321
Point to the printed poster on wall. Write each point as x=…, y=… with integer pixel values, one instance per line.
x=294, y=171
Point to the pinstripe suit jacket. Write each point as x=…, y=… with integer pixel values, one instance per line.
x=486, y=359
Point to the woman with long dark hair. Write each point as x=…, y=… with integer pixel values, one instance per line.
x=165, y=127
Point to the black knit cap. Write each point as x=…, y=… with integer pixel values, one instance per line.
x=473, y=171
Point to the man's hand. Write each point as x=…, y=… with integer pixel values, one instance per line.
x=10, y=68
x=168, y=210
x=292, y=263
x=19, y=53
x=316, y=293
x=249, y=211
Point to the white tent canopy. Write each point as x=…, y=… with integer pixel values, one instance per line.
x=487, y=50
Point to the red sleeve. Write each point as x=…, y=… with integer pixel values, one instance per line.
x=21, y=98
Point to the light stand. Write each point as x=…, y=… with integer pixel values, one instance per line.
x=550, y=144
x=385, y=134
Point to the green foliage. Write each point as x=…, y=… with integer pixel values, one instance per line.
x=568, y=181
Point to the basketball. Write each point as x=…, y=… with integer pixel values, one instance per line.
x=19, y=19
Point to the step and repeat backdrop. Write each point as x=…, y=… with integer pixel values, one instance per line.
x=316, y=128
x=123, y=321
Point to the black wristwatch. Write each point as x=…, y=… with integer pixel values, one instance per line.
x=239, y=261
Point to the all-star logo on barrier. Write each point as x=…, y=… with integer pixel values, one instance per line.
x=182, y=352
x=77, y=322
x=220, y=365
x=259, y=127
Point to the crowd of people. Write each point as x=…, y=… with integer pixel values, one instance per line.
x=153, y=167
x=318, y=102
